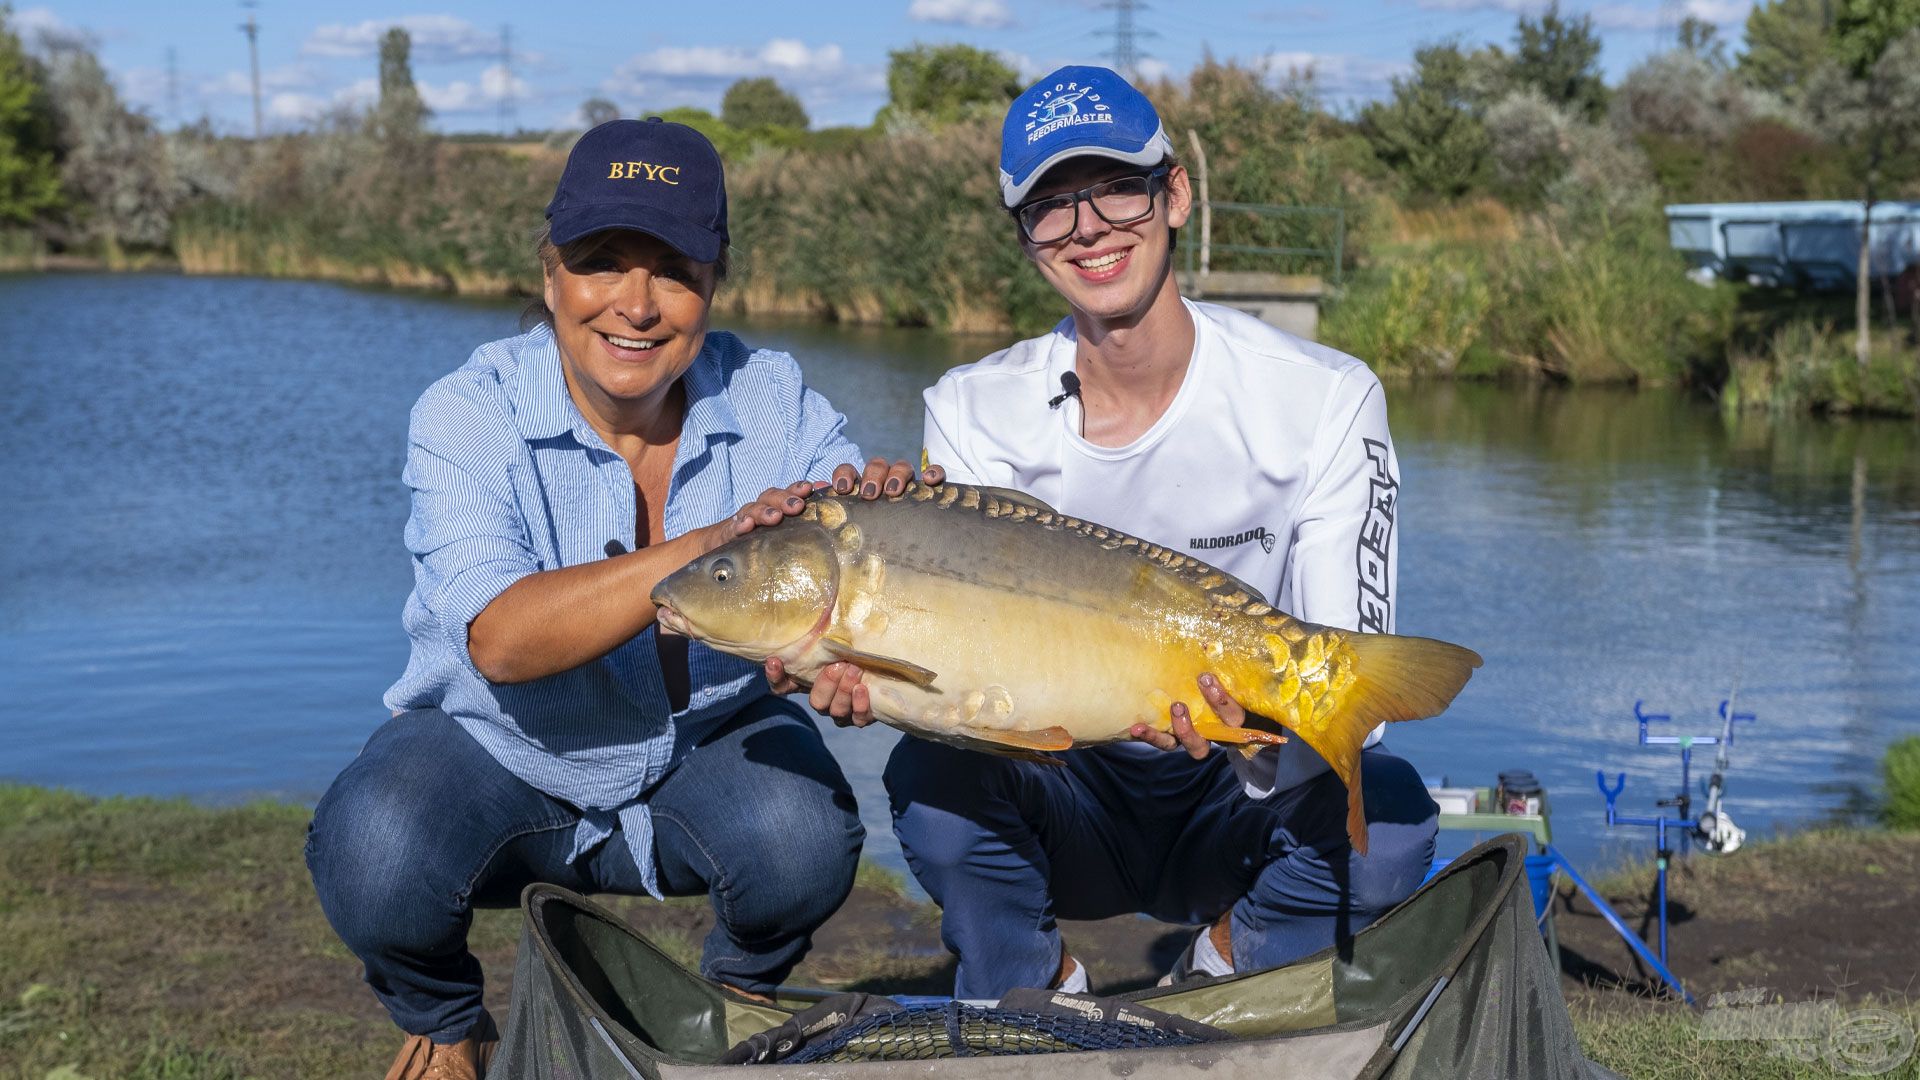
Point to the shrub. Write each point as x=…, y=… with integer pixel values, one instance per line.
x=1418, y=318
x=1902, y=769
x=1532, y=144
x=1595, y=294
x=1809, y=366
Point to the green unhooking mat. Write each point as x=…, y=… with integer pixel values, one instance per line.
x=1453, y=982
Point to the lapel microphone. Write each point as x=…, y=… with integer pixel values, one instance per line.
x=1069, y=387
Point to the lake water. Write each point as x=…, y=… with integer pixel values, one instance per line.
x=201, y=570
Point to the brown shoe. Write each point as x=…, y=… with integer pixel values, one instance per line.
x=423, y=1059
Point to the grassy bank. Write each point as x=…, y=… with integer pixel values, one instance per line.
x=160, y=940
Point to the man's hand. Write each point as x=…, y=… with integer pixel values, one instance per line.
x=837, y=694
x=1183, y=736
x=879, y=478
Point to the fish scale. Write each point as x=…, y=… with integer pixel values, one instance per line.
x=983, y=618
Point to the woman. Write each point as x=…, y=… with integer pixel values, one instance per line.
x=544, y=730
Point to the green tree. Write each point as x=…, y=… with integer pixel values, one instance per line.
x=1864, y=29
x=598, y=110
x=400, y=113
x=1702, y=39
x=1786, y=42
x=114, y=167
x=1560, y=57
x=29, y=175
x=1430, y=131
x=942, y=84
x=1878, y=43
x=757, y=103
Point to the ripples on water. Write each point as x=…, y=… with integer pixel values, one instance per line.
x=201, y=570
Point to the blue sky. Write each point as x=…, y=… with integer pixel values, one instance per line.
x=647, y=56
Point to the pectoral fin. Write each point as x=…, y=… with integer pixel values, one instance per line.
x=884, y=666
x=1053, y=738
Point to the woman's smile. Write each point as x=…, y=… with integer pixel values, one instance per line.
x=630, y=349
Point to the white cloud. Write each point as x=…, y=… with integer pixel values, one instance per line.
x=1468, y=6
x=287, y=77
x=298, y=107
x=698, y=74
x=435, y=38
x=981, y=14
x=1339, y=76
x=39, y=27
x=495, y=83
x=1617, y=16
x=778, y=56
x=28, y=22
x=1152, y=69
x=1629, y=17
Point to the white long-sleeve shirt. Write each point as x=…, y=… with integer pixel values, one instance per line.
x=1273, y=463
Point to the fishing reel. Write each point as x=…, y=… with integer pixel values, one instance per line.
x=1718, y=834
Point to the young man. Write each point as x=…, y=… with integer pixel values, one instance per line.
x=1206, y=431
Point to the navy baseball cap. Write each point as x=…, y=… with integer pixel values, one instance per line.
x=1074, y=112
x=659, y=178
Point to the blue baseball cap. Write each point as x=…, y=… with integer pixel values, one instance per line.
x=1074, y=112
x=655, y=177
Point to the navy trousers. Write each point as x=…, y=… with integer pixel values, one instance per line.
x=425, y=825
x=1006, y=846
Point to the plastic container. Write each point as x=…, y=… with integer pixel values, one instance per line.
x=1456, y=800
x=1519, y=793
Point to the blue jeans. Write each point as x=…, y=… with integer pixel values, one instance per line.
x=424, y=826
x=1005, y=846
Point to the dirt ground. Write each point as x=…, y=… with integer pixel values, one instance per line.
x=196, y=933
x=1821, y=915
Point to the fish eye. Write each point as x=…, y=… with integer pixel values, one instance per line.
x=722, y=570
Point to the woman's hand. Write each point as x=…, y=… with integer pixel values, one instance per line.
x=777, y=504
x=839, y=693
x=1183, y=736
x=772, y=507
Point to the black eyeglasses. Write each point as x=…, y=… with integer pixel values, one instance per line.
x=1118, y=201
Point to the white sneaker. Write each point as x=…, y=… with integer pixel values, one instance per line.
x=1076, y=981
x=1199, y=960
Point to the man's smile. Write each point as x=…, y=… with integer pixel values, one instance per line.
x=1102, y=265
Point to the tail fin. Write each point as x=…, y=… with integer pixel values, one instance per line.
x=1394, y=678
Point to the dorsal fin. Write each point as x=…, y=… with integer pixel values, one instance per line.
x=1017, y=497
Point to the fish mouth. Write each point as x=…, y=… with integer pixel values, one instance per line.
x=671, y=621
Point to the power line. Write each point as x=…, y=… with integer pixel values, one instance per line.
x=173, y=86
x=252, y=29
x=1125, y=54
x=508, y=120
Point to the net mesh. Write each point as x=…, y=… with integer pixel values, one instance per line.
x=956, y=1030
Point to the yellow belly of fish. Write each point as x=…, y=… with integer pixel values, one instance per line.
x=1007, y=663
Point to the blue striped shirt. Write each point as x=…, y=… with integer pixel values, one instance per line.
x=509, y=479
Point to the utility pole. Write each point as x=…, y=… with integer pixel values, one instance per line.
x=1669, y=29
x=1125, y=54
x=173, y=86
x=506, y=80
x=252, y=29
